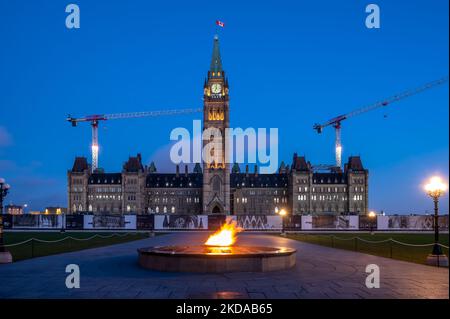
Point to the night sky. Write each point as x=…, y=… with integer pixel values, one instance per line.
x=290, y=64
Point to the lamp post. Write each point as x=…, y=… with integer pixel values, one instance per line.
x=372, y=215
x=5, y=256
x=282, y=213
x=435, y=188
x=60, y=212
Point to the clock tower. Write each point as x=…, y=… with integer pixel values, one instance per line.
x=216, y=169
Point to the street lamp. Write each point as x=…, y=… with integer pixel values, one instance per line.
x=282, y=213
x=59, y=211
x=435, y=188
x=372, y=215
x=5, y=256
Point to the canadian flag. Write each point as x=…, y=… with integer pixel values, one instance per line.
x=220, y=23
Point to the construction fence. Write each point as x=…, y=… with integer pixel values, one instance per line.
x=171, y=222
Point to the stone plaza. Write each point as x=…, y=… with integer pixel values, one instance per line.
x=320, y=273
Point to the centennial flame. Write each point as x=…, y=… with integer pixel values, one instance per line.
x=225, y=236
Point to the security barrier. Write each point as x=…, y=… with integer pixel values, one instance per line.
x=173, y=222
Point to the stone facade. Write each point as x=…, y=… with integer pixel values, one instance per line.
x=298, y=189
x=218, y=189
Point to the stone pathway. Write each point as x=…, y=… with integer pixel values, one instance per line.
x=321, y=272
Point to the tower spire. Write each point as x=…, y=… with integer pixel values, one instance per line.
x=216, y=61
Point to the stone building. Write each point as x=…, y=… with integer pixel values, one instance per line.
x=214, y=187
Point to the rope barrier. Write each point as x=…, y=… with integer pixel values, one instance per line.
x=382, y=241
x=411, y=245
x=68, y=237
x=17, y=244
x=344, y=239
x=374, y=242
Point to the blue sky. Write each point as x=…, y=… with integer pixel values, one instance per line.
x=290, y=64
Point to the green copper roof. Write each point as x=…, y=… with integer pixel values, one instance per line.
x=152, y=168
x=197, y=168
x=216, y=61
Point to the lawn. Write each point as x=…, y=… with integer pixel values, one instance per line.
x=49, y=243
x=358, y=242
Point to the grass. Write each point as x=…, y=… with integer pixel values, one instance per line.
x=35, y=248
x=385, y=249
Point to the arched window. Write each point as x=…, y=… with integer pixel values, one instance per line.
x=165, y=209
x=90, y=207
x=157, y=209
x=74, y=208
x=173, y=209
x=80, y=208
x=128, y=208
x=216, y=184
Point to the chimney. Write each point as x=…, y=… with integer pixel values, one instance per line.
x=256, y=170
x=186, y=170
x=178, y=170
x=246, y=170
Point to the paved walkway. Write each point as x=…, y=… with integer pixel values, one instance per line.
x=321, y=272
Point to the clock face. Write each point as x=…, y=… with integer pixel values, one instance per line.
x=216, y=88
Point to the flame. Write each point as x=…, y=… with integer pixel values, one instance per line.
x=225, y=236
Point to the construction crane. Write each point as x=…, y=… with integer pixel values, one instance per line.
x=336, y=121
x=95, y=119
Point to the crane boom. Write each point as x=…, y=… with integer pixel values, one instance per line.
x=151, y=113
x=379, y=104
x=116, y=116
x=96, y=118
x=336, y=121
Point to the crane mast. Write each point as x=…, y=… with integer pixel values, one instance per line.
x=95, y=119
x=94, y=146
x=336, y=121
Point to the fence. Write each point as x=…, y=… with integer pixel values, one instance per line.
x=388, y=247
x=37, y=247
x=211, y=222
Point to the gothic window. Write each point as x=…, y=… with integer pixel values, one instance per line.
x=216, y=185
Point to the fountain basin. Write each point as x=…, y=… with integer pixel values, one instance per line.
x=211, y=259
